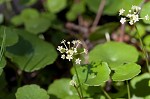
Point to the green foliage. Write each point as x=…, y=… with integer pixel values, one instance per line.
x=32, y=30
x=94, y=74
x=145, y=12
x=1, y=18
x=114, y=6
x=114, y=53
x=31, y=92
x=102, y=30
x=55, y=6
x=11, y=37
x=30, y=53
x=76, y=9
x=61, y=89
x=146, y=42
x=33, y=21
x=126, y=72
x=138, y=83
x=93, y=5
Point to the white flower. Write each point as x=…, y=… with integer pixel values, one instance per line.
x=146, y=17
x=69, y=57
x=63, y=41
x=135, y=18
x=70, y=52
x=60, y=48
x=73, y=83
x=123, y=20
x=78, y=61
x=131, y=22
x=63, y=56
x=136, y=8
x=121, y=11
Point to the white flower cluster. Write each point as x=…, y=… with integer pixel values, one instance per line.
x=68, y=51
x=132, y=16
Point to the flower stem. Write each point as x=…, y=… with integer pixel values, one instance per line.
x=78, y=92
x=143, y=49
x=128, y=89
x=78, y=81
x=106, y=94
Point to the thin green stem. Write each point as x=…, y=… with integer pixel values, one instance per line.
x=78, y=92
x=143, y=49
x=78, y=81
x=128, y=89
x=106, y=94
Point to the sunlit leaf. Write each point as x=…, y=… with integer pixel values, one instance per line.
x=94, y=74
x=126, y=72
x=31, y=92
x=31, y=53
x=114, y=53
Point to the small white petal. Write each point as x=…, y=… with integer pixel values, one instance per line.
x=147, y=17
x=78, y=61
x=123, y=20
x=63, y=41
x=63, y=56
x=121, y=11
x=69, y=57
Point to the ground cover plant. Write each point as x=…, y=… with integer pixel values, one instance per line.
x=74, y=49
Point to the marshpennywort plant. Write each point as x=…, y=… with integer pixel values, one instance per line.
x=70, y=51
x=132, y=16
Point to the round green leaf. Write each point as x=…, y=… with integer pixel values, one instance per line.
x=94, y=74
x=126, y=72
x=76, y=9
x=145, y=12
x=17, y=20
x=11, y=36
x=37, y=25
x=141, y=83
x=114, y=53
x=31, y=92
x=31, y=53
x=55, y=6
x=29, y=13
x=61, y=89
